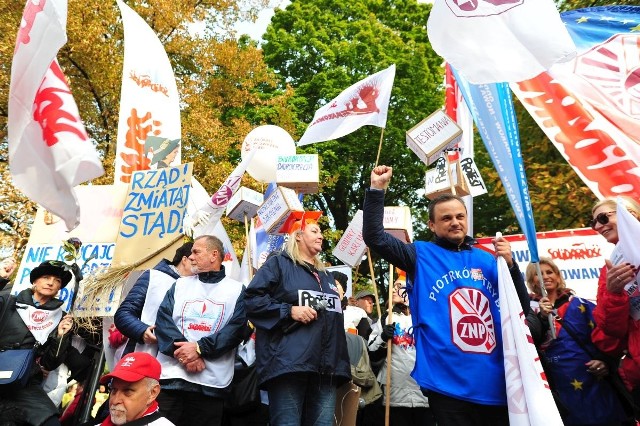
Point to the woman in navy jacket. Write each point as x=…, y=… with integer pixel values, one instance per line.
x=300, y=342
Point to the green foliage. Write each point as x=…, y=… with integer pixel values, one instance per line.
x=344, y=43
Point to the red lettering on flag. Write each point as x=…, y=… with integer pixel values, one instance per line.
x=49, y=111
x=28, y=18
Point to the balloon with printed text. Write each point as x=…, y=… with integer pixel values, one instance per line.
x=271, y=141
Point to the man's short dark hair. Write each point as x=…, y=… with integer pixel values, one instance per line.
x=442, y=198
x=341, y=278
x=183, y=250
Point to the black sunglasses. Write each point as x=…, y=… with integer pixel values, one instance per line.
x=601, y=218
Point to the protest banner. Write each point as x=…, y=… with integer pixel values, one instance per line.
x=99, y=220
x=154, y=209
x=579, y=253
x=351, y=246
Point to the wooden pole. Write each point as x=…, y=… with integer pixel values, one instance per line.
x=447, y=164
x=248, y=245
x=380, y=145
x=373, y=279
x=387, y=406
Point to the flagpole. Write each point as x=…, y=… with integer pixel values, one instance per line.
x=373, y=280
x=389, y=345
x=543, y=291
x=449, y=175
x=380, y=145
x=248, y=245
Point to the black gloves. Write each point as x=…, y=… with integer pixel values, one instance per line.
x=387, y=331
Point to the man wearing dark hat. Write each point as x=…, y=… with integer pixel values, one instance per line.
x=134, y=384
x=365, y=301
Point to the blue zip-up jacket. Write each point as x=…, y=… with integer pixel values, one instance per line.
x=318, y=347
x=127, y=317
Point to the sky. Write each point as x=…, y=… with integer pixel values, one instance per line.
x=256, y=29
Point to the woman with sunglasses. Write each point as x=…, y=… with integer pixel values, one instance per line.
x=34, y=319
x=617, y=333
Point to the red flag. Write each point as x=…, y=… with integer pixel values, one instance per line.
x=49, y=150
x=589, y=107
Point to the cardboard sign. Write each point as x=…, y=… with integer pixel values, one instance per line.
x=351, y=246
x=438, y=181
x=154, y=209
x=579, y=254
x=277, y=208
x=397, y=222
x=433, y=135
x=299, y=172
x=474, y=183
x=245, y=202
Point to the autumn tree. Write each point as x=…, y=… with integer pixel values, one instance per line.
x=224, y=84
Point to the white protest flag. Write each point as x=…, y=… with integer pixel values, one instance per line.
x=528, y=396
x=627, y=251
x=364, y=103
x=49, y=150
x=492, y=41
x=628, y=231
x=149, y=121
x=209, y=213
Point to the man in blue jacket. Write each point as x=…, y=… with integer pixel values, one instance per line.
x=453, y=294
x=136, y=315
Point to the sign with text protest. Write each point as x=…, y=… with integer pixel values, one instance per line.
x=99, y=220
x=579, y=253
x=154, y=209
x=351, y=246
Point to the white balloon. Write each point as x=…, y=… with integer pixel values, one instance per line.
x=271, y=141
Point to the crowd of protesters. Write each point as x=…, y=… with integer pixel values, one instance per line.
x=288, y=348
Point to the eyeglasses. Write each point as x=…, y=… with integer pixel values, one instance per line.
x=401, y=290
x=601, y=218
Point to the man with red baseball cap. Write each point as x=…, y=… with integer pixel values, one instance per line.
x=134, y=385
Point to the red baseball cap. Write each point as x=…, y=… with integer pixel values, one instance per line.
x=133, y=367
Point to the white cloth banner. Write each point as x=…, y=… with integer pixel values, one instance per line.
x=149, y=122
x=492, y=41
x=364, y=103
x=49, y=150
x=627, y=251
x=528, y=396
x=208, y=215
